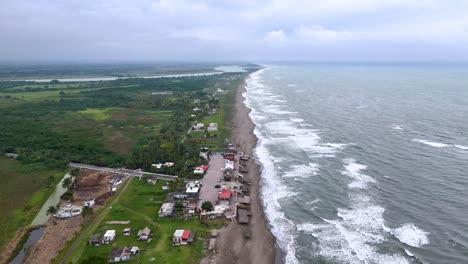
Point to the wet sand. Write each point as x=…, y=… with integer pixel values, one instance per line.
x=231, y=246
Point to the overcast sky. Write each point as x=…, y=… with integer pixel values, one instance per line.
x=306, y=30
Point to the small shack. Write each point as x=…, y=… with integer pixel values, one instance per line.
x=144, y=234
x=243, y=216
x=119, y=254
x=108, y=236
x=95, y=240
x=127, y=231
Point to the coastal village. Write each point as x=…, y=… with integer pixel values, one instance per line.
x=118, y=214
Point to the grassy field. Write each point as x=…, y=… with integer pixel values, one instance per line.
x=23, y=191
x=140, y=204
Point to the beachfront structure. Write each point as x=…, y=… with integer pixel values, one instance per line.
x=183, y=237
x=224, y=196
x=212, y=127
x=228, y=164
x=108, y=236
x=144, y=234
x=167, y=209
x=120, y=254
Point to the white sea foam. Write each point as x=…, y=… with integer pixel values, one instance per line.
x=292, y=85
x=397, y=127
x=300, y=91
x=297, y=120
x=461, y=147
x=352, y=237
x=273, y=189
x=302, y=171
x=431, y=143
x=411, y=235
x=353, y=170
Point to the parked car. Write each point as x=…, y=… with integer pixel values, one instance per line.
x=217, y=186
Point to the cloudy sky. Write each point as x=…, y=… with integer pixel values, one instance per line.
x=304, y=30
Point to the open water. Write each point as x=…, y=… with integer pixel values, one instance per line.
x=364, y=163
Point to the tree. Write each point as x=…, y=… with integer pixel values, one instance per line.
x=52, y=210
x=67, y=182
x=87, y=212
x=75, y=172
x=207, y=206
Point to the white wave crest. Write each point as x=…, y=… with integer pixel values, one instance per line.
x=302, y=171
x=431, y=143
x=461, y=147
x=353, y=170
x=411, y=235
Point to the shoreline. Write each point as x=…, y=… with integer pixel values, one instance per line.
x=232, y=247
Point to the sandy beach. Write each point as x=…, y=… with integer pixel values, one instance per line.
x=231, y=246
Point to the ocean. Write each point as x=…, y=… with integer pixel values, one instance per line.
x=364, y=163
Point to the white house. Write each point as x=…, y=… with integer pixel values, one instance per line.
x=192, y=187
x=144, y=234
x=198, y=126
x=212, y=127
x=108, y=236
x=119, y=254
x=182, y=237
x=167, y=209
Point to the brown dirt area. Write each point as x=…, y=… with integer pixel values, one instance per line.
x=56, y=235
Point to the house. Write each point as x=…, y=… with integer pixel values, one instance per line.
x=119, y=254
x=244, y=200
x=95, y=240
x=212, y=127
x=169, y=164
x=183, y=237
x=144, y=234
x=135, y=250
x=229, y=156
x=200, y=169
x=157, y=165
x=108, y=236
x=198, y=126
x=196, y=109
x=167, y=209
x=127, y=231
x=204, y=153
x=192, y=187
x=224, y=196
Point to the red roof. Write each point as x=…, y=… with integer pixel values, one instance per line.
x=229, y=157
x=186, y=234
x=203, y=167
x=225, y=194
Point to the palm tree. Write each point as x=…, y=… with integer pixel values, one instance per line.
x=52, y=210
x=67, y=182
x=87, y=211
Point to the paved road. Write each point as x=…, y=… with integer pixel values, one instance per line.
x=136, y=173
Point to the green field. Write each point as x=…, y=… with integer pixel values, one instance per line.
x=23, y=191
x=140, y=204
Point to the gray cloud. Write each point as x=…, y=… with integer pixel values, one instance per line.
x=233, y=30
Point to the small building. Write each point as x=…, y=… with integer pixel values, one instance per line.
x=95, y=240
x=243, y=216
x=199, y=126
x=108, y=236
x=224, y=195
x=167, y=209
x=228, y=164
x=212, y=127
x=244, y=200
x=127, y=231
x=192, y=187
x=196, y=109
x=200, y=169
x=119, y=254
x=183, y=237
x=212, y=244
x=144, y=234
x=135, y=250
